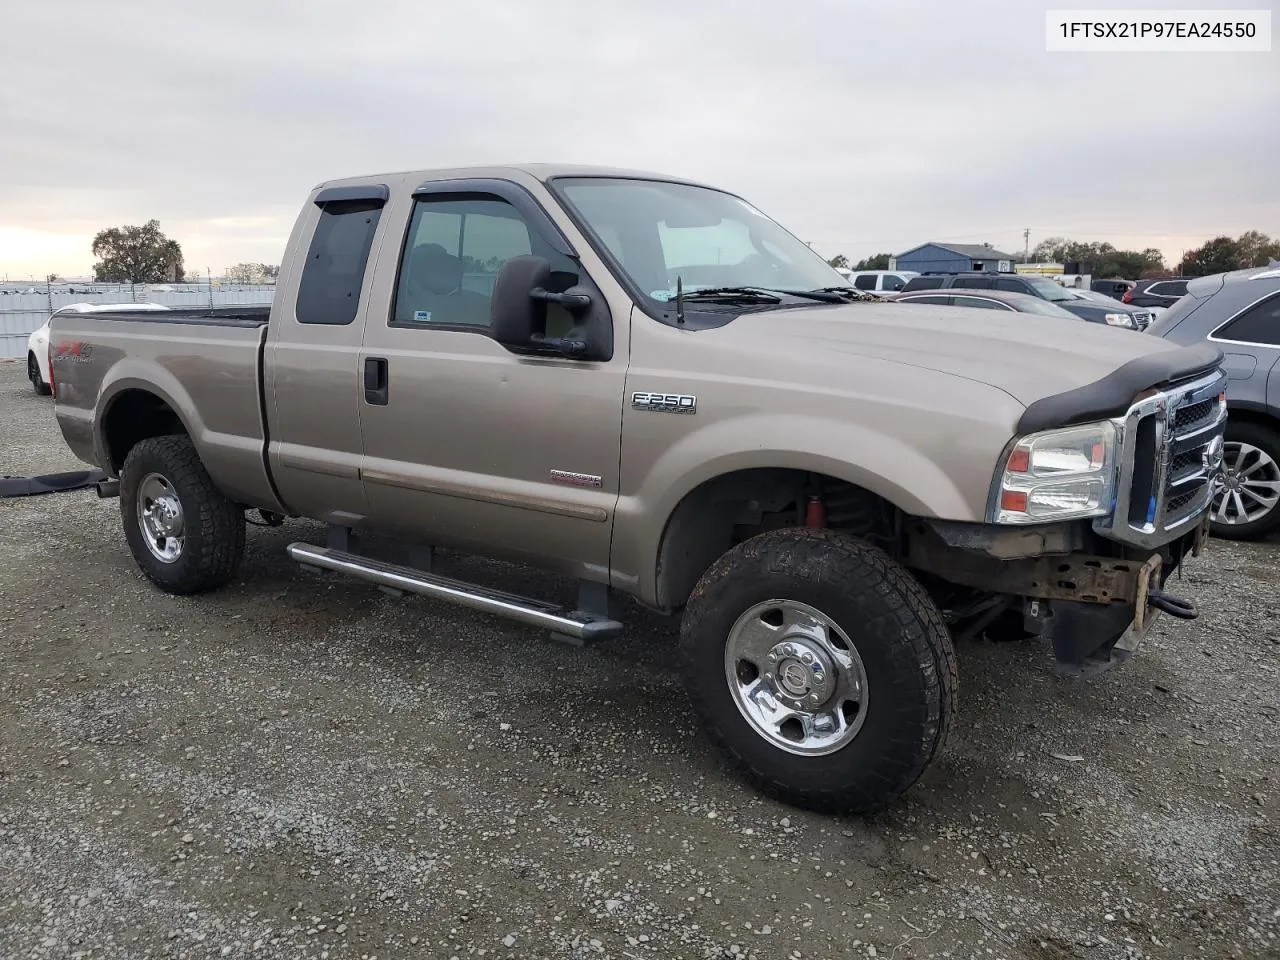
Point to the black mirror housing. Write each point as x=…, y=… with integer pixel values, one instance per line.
x=515, y=317
x=518, y=312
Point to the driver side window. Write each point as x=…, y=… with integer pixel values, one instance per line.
x=451, y=258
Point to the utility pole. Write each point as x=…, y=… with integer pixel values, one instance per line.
x=1026, y=245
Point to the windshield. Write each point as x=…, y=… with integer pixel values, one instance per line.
x=660, y=232
x=1048, y=289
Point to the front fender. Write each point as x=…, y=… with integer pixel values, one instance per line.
x=950, y=479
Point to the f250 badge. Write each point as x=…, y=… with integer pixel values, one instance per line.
x=665, y=402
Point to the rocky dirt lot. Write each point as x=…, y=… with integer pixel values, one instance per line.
x=298, y=767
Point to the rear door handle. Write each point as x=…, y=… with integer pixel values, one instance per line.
x=376, y=388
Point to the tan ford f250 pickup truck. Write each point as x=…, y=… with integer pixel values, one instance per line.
x=650, y=387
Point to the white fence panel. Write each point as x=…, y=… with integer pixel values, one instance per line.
x=21, y=313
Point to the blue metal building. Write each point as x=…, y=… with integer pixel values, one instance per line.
x=953, y=258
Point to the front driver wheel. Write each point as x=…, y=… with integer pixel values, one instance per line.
x=1245, y=507
x=820, y=667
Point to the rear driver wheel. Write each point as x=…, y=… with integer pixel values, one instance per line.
x=183, y=533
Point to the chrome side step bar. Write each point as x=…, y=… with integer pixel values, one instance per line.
x=571, y=624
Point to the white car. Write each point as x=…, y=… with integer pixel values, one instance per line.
x=38, y=342
x=881, y=281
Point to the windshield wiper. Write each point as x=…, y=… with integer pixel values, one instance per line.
x=742, y=294
x=839, y=295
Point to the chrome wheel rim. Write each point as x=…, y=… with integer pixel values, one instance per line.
x=160, y=518
x=796, y=677
x=1249, y=486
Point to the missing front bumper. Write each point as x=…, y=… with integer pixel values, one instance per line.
x=1088, y=639
x=1093, y=610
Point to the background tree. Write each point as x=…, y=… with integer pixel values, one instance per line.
x=1257, y=249
x=1219, y=255
x=1103, y=259
x=136, y=255
x=839, y=261
x=245, y=273
x=879, y=262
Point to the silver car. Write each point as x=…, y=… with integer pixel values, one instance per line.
x=1239, y=313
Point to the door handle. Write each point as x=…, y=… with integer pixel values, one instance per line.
x=376, y=387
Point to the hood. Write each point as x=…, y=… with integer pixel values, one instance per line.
x=1026, y=355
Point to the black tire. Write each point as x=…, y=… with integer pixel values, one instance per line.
x=1267, y=440
x=213, y=529
x=899, y=634
x=41, y=388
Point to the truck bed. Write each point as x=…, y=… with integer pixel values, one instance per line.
x=200, y=367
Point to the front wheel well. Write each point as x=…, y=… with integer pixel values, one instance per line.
x=725, y=510
x=132, y=416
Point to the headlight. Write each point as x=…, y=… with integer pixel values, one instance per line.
x=1057, y=475
x=1119, y=320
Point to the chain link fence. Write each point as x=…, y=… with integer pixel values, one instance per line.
x=25, y=307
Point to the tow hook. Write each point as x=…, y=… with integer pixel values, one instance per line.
x=1174, y=606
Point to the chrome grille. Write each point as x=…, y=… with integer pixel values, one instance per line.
x=1170, y=456
x=1193, y=415
x=1142, y=318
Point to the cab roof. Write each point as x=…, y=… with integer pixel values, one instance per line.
x=537, y=171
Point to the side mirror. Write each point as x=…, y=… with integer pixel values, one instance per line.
x=518, y=308
x=514, y=315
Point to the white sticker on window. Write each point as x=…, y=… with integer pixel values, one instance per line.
x=422, y=316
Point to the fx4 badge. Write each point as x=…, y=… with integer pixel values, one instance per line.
x=665, y=402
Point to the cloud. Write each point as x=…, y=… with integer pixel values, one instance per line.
x=862, y=127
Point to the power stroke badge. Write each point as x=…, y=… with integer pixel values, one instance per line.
x=664, y=402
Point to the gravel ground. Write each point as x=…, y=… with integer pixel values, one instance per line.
x=298, y=767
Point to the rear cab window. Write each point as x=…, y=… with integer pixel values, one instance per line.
x=329, y=289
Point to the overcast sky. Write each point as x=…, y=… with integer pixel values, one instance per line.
x=860, y=126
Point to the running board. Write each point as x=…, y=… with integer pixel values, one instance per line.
x=572, y=624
